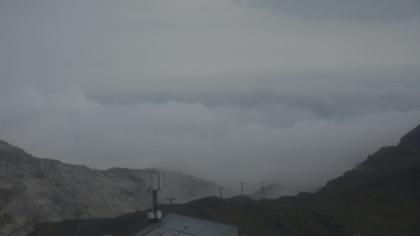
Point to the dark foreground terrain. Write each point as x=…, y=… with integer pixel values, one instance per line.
x=380, y=196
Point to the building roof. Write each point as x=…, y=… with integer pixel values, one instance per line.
x=177, y=225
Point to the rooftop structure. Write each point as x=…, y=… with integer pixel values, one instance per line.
x=177, y=225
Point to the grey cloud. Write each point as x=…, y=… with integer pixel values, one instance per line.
x=254, y=143
x=331, y=95
x=204, y=44
x=209, y=86
x=360, y=10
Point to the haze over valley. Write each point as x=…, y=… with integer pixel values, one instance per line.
x=280, y=95
x=298, y=91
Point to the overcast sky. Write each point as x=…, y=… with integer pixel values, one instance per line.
x=230, y=90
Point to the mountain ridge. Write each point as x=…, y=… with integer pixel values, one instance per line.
x=379, y=197
x=411, y=139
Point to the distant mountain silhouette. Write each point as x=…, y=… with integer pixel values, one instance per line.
x=412, y=139
x=379, y=197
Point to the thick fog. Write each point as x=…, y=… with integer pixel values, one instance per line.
x=230, y=90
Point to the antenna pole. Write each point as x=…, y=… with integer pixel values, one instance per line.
x=155, y=201
x=242, y=188
x=154, y=185
x=220, y=191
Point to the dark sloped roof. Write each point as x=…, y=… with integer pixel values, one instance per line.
x=178, y=225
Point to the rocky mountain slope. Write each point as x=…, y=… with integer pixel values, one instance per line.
x=379, y=197
x=34, y=189
x=277, y=190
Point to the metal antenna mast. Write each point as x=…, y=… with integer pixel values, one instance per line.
x=242, y=188
x=154, y=185
x=220, y=191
